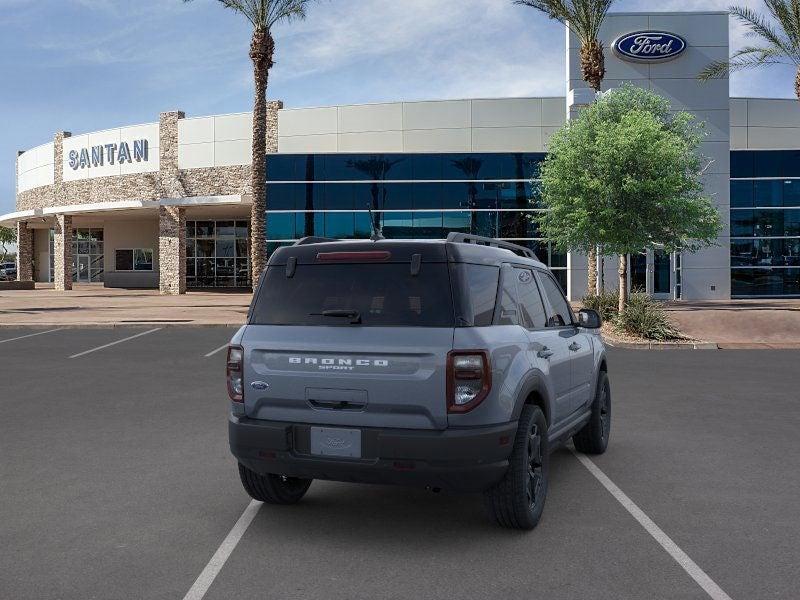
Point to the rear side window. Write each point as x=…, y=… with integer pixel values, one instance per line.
x=383, y=295
x=476, y=293
x=530, y=300
x=560, y=313
x=509, y=314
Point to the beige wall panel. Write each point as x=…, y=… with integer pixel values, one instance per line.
x=370, y=117
x=437, y=140
x=372, y=141
x=507, y=112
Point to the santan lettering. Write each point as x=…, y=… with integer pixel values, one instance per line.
x=97, y=156
x=645, y=44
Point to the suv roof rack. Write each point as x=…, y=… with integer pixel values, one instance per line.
x=466, y=238
x=314, y=240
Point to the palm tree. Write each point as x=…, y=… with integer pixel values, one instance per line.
x=780, y=42
x=263, y=15
x=584, y=19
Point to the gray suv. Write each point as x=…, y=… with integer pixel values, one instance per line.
x=455, y=365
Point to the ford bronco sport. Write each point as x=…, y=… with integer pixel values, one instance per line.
x=454, y=365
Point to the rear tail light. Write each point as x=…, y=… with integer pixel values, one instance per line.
x=469, y=379
x=233, y=372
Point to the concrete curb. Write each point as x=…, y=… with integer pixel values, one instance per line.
x=663, y=345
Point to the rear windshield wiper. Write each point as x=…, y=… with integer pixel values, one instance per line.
x=353, y=315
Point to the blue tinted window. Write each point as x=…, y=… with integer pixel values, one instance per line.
x=768, y=163
x=308, y=224
x=742, y=164
x=339, y=225
x=465, y=166
x=426, y=166
x=428, y=225
x=791, y=163
x=742, y=223
x=455, y=195
x=791, y=192
x=340, y=196
x=765, y=282
x=426, y=195
x=398, y=225
x=457, y=221
x=282, y=196
x=768, y=193
x=363, y=228
x=791, y=223
x=281, y=167
x=399, y=196
x=280, y=226
x=741, y=194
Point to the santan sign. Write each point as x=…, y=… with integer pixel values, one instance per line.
x=649, y=46
x=97, y=156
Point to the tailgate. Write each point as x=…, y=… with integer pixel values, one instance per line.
x=390, y=377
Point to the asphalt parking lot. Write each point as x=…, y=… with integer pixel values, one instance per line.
x=116, y=482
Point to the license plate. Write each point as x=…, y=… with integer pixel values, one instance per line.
x=329, y=441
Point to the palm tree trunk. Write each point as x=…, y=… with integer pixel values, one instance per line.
x=591, y=282
x=261, y=52
x=593, y=70
x=593, y=67
x=623, y=282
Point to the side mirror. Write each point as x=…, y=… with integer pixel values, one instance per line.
x=590, y=319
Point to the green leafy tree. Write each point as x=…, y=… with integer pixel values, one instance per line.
x=8, y=236
x=263, y=15
x=778, y=40
x=584, y=19
x=626, y=175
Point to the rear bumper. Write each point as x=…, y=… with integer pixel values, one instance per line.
x=463, y=459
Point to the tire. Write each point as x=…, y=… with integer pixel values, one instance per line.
x=593, y=438
x=518, y=500
x=273, y=489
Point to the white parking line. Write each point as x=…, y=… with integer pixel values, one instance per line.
x=209, y=574
x=115, y=343
x=220, y=349
x=695, y=572
x=22, y=337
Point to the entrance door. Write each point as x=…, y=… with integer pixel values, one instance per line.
x=638, y=272
x=662, y=271
x=83, y=268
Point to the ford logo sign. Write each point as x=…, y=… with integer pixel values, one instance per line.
x=649, y=46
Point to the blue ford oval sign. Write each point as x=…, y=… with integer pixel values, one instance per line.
x=649, y=46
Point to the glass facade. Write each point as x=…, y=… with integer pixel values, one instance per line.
x=218, y=254
x=413, y=196
x=765, y=223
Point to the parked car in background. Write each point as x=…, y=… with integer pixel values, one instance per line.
x=8, y=271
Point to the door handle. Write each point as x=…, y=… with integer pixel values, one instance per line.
x=574, y=346
x=545, y=352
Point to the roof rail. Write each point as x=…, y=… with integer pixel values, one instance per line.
x=465, y=238
x=313, y=240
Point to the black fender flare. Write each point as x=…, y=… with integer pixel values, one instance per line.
x=534, y=382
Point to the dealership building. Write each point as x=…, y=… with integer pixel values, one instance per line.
x=167, y=204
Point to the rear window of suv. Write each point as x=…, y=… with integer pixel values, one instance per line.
x=383, y=295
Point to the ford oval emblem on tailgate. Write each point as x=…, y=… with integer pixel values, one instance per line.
x=259, y=385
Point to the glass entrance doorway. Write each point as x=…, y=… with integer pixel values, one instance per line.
x=87, y=255
x=652, y=272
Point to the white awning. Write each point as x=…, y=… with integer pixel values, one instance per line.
x=11, y=219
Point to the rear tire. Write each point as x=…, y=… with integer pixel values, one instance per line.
x=518, y=500
x=273, y=489
x=593, y=438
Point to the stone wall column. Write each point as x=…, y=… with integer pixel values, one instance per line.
x=171, y=184
x=62, y=250
x=24, y=252
x=171, y=250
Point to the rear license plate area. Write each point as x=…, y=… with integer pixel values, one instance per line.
x=330, y=441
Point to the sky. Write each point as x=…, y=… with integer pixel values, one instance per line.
x=86, y=65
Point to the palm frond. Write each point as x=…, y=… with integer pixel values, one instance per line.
x=746, y=58
x=759, y=26
x=583, y=17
